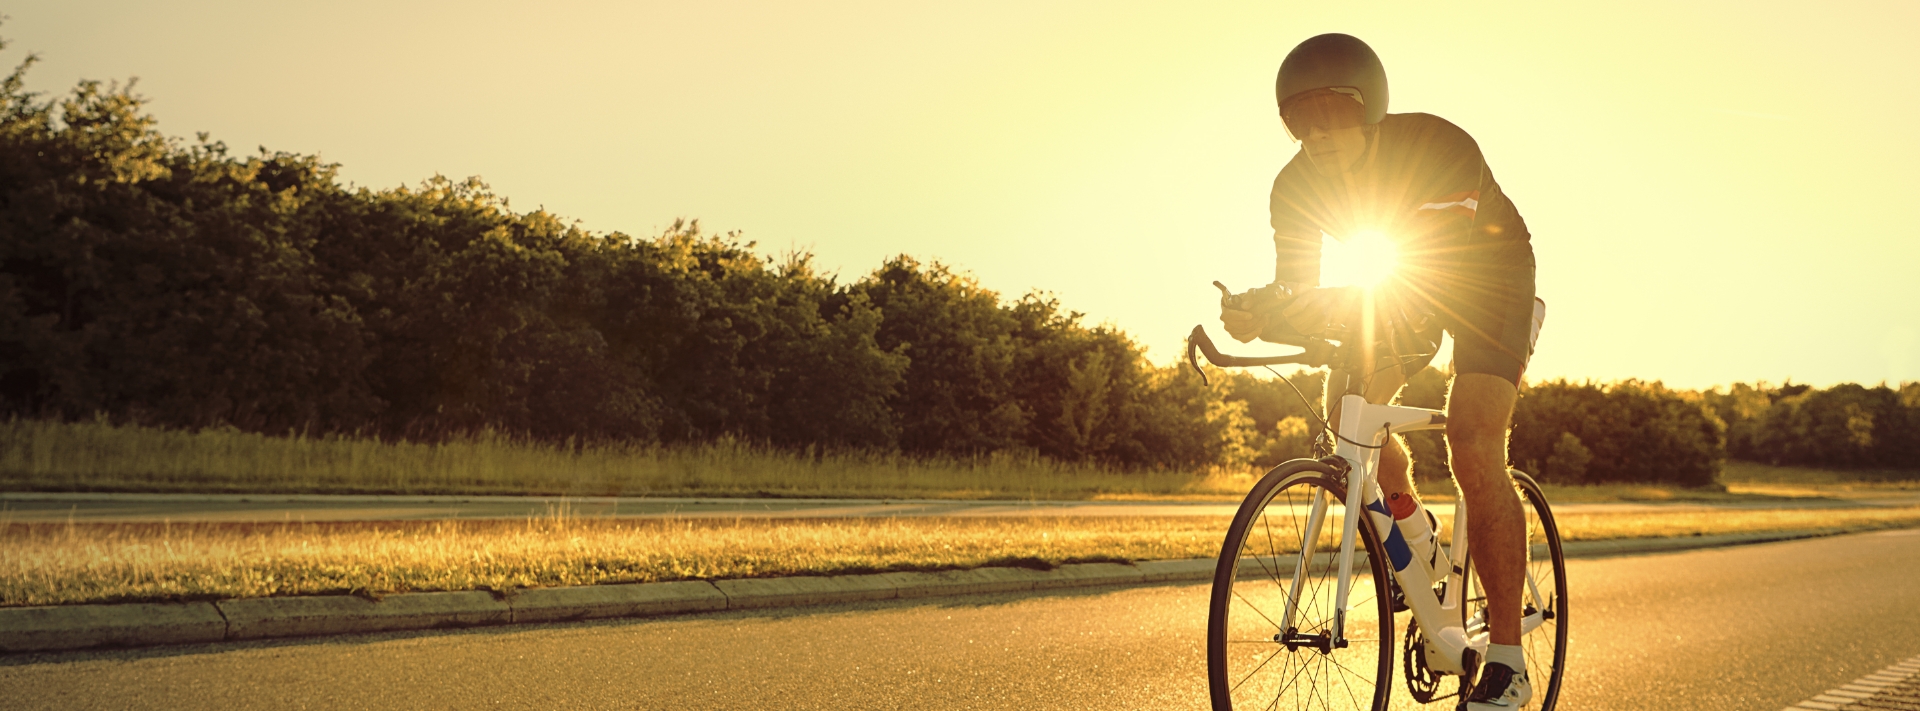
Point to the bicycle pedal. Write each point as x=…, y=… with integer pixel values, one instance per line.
x=1399, y=598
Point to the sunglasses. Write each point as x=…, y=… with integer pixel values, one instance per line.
x=1325, y=109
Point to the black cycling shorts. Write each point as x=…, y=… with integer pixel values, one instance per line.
x=1491, y=320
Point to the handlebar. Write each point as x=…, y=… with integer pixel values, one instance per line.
x=1407, y=336
x=1317, y=353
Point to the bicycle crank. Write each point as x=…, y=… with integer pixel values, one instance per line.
x=1469, y=658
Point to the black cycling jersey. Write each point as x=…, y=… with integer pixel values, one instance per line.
x=1423, y=183
x=1465, y=254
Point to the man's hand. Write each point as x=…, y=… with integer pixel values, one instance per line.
x=1245, y=314
x=1244, y=326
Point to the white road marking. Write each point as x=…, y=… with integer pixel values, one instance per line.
x=1894, y=687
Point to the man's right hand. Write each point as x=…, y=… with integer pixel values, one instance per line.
x=1245, y=314
x=1243, y=326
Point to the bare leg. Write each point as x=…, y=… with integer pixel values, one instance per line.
x=1395, y=469
x=1479, y=411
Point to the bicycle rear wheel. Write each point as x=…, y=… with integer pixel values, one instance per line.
x=1259, y=659
x=1545, y=595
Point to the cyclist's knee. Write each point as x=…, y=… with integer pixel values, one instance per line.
x=1479, y=457
x=1396, y=468
x=1479, y=410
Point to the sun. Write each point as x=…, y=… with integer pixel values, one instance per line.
x=1364, y=259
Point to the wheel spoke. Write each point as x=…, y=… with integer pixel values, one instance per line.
x=1304, y=678
x=1256, y=610
x=1256, y=670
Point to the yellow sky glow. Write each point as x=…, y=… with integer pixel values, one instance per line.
x=1718, y=191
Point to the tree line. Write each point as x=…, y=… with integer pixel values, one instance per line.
x=173, y=283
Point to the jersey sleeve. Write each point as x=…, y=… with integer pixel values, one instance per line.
x=1296, y=237
x=1452, y=187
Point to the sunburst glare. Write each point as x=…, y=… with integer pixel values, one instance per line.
x=1364, y=259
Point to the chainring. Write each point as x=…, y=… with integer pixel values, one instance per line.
x=1422, y=682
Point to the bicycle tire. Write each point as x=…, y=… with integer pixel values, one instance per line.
x=1242, y=619
x=1546, y=648
x=1546, y=645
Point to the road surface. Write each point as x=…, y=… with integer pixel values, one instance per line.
x=1753, y=627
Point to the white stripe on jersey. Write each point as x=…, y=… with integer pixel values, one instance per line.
x=1469, y=203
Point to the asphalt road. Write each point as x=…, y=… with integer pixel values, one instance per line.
x=1754, y=627
x=25, y=507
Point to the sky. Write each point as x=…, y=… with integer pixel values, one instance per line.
x=1717, y=191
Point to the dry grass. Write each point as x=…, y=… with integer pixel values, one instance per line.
x=39, y=455
x=50, y=456
x=1608, y=526
x=1753, y=478
x=1751, y=482
x=43, y=564
x=64, y=564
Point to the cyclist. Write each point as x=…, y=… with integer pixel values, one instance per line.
x=1465, y=258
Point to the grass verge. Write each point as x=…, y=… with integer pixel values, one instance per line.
x=39, y=455
x=50, y=564
x=1753, y=478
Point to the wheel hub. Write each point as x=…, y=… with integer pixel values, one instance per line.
x=1323, y=641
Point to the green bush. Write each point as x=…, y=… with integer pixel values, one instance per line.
x=1629, y=431
x=1847, y=425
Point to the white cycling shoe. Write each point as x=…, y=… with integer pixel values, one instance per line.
x=1500, y=689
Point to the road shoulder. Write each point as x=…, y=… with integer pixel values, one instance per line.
x=71, y=627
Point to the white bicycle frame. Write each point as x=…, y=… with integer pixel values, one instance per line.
x=1448, y=633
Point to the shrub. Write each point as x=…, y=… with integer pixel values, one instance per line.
x=1629, y=431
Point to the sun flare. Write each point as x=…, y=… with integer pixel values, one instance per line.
x=1365, y=259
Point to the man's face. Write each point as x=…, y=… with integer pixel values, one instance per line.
x=1336, y=151
x=1328, y=123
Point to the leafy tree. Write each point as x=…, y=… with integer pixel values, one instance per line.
x=1630, y=431
x=162, y=283
x=958, y=394
x=1847, y=425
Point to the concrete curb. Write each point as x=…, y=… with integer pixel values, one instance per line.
x=1633, y=546
x=68, y=627
x=601, y=601
x=36, y=629
x=269, y=617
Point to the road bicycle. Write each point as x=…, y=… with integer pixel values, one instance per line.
x=1293, y=624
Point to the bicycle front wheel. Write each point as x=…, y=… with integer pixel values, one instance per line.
x=1271, y=627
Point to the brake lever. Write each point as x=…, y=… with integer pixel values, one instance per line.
x=1227, y=301
x=1191, y=347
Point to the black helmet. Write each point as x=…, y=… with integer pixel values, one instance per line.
x=1335, y=60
